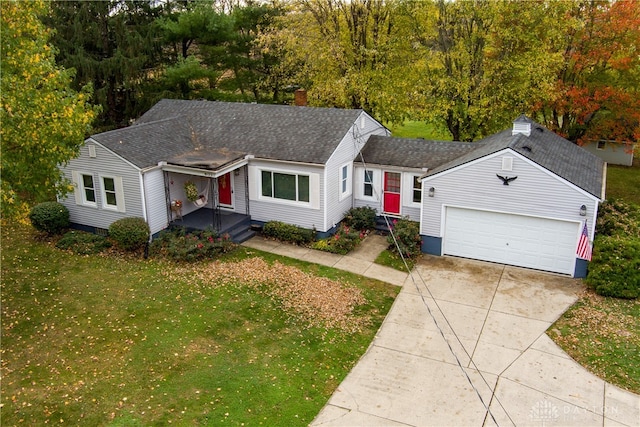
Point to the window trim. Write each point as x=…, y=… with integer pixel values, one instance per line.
x=119, y=193
x=104, y=191
x=416, y=180
x=345, y=186
x=272, y=197
x=83, y=189
x=368, y=173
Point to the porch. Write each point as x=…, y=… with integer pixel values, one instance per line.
x=238, y=226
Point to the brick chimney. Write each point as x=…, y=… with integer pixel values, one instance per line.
x=300, y=98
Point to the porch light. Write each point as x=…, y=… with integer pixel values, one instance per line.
x=432, y=192
x=583, y=210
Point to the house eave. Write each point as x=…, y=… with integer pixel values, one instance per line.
x=209, y=173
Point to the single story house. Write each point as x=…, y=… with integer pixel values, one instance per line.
x=248, y=162
x=612, y=152
x=519, y=197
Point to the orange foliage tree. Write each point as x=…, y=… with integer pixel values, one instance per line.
x=598, y=86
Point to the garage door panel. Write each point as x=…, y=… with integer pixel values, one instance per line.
x=520, y=240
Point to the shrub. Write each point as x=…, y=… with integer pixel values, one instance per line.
x=616, y=217
x=182, y=246
x=342, y=242
x=83, y=243
x=288, y=233
x=407, y=235
x=363, y=218
x=130, y=233
x=615, y=267
x=50, y=217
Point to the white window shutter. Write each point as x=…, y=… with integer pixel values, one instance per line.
x=314, y=190
x=119, y=194
x=77, y=190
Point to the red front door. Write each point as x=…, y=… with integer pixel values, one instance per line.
x=224, y=190
x=391, y=200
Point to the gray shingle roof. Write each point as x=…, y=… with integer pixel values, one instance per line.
x=172, y=128
x=547, y=149
x=412, y=153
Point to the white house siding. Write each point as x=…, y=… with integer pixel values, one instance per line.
x=407, y=207
x=267, y=209
x=535, y=192
x=176, y=190
x=155, y=200
x=345, y=154
x=239, y=191
x=107, y=163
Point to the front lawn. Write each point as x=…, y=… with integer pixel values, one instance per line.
x=114, y=339
x=623, y=182
x=603, y=335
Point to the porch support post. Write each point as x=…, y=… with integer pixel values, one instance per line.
x=167, y=194
x=247, y=210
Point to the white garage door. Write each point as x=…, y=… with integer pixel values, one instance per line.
x=525, y=241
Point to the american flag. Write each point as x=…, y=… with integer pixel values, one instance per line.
x=584, y=247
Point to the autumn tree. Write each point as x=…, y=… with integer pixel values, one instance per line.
x=44, y=121
x=349, y=49
x=480, y=63
x=597, y=90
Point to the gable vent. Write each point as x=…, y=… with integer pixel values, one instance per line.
x=507, y=163
x=92, y=151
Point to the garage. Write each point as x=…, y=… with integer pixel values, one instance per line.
x=525, y=241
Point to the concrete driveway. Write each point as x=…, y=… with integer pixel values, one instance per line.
x=464, y=345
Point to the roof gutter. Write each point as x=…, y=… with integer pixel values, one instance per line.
x=204, y=172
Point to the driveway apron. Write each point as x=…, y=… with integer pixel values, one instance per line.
x=464, y=344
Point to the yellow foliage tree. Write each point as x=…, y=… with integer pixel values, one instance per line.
x=43, y=121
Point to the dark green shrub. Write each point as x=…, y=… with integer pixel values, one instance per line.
x=614, y=270
x=616, y=217
x=362, y=218
x=342, y=242
x=83, y=243
x=288, y=233
x=130, y=233
x=50, y=217
x=182, y=246
x=407, y=236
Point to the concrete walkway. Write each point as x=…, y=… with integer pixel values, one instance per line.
x=464, y=344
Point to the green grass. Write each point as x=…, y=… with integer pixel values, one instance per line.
x=390, y=259
x=603, y=335
x=117, y=340
x=418, y=129
x=623, y=182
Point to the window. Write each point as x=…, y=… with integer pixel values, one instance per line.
x=345, y=181
x=417, y=189
x=285, y=186
x=602, y=145
x=109, y=193
x=368, y=183
x=344, y=177
x=88, y=190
